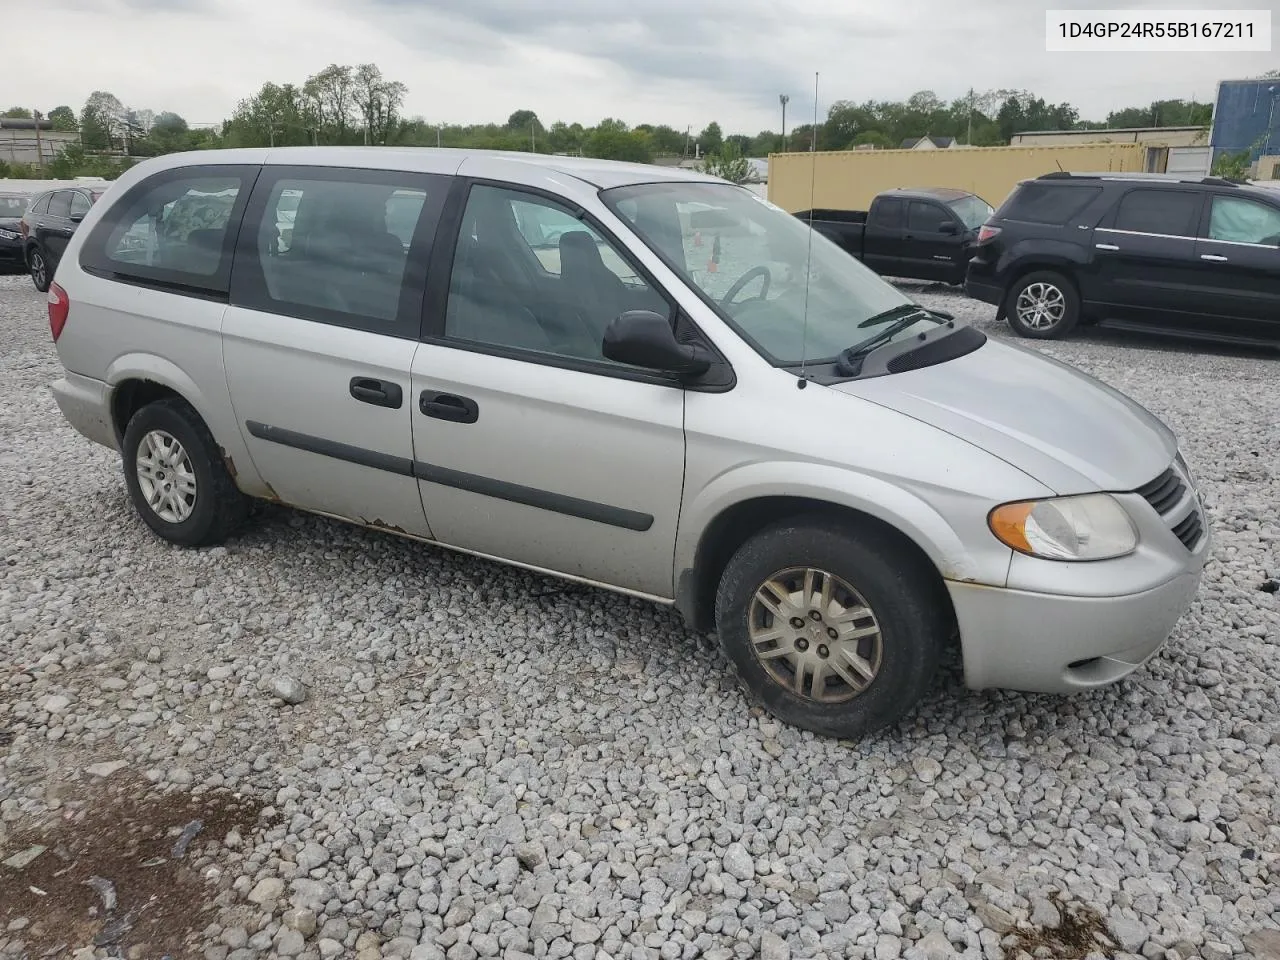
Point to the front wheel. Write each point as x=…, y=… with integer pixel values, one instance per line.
x=1043, y=306
x=41, y=275
x=831, y=629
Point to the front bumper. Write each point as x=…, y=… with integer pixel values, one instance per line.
x=1044, y=643
x=11, y=253
x=86, y=405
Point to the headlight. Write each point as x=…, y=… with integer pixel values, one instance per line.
x=9, y=235
x=1091, y=527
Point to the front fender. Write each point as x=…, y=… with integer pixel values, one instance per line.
x=892, y=504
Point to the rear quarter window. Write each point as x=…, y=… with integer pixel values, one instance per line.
x=1052, y=203
x=174, y=230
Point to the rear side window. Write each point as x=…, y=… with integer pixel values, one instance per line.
x=1173, y=213
x=347, y=247
x=1047, y=203
x=890, y=213
x=1237, y=220
x=79, y=204
x=60, y=204
x=174, y=230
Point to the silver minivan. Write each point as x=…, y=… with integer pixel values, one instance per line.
x=636, y=377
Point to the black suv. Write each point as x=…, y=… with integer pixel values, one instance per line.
x=1193, y=257
x=47, y=226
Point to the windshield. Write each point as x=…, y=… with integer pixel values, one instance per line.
x=748, y=257
x=972, y=211
x=13, y=206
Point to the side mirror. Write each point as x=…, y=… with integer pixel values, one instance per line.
x=642, y=338
x=76, y=217
x=949, y=227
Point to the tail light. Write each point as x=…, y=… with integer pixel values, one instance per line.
x=986, y=233
x=59, y=307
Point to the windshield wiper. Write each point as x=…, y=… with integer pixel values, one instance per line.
x=850, y=361
x=891, y=314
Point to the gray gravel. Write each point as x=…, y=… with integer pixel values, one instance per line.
x=461, y=760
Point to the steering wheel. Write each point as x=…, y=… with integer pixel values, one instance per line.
x=746, y=278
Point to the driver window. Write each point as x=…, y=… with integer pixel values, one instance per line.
x=1244, y=221
x=925, y=217
x=528, y=274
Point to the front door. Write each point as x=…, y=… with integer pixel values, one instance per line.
x=883, y=243
x=531, y=446
x=1144, y=252
x=319, y=339
x=931, y=252
x=1238, y=260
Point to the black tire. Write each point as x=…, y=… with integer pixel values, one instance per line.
x=1058, y=286
x=218, y=507
x=904, y=594
x=38, y=267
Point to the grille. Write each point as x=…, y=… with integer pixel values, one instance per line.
x=1188, y=529
x=1163, y=492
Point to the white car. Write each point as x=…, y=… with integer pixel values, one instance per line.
x=750, y=426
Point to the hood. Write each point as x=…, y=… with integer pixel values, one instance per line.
x=11, y=223
x=1069, y=431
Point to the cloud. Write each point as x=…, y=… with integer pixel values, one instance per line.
x=655, y=61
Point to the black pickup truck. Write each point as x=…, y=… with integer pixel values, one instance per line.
x=924, y=234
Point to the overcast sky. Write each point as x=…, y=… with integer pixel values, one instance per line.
x=682, y=62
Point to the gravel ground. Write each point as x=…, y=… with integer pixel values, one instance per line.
x=487, y=763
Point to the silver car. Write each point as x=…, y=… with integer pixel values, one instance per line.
x=636, y=377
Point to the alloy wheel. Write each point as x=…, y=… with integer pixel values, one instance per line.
x=1041, y=306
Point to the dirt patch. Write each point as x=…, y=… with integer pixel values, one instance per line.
x=120, y=865
x=1082, y=931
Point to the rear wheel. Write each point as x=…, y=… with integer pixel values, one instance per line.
x=831, y=629
x=176, y=478
x=41, y=276
x=1043, y=306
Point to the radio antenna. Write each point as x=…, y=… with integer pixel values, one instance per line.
x=808, y=257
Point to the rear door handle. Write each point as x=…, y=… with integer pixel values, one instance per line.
x=1106, y=246
x=1213, y=257
x=380, y=393
x=447, y=406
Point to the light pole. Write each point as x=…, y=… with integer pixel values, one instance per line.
x=782, y=99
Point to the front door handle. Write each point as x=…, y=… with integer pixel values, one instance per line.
x=1106, y=246
x=1213, y=257
x=380, y=393
x=447, y=406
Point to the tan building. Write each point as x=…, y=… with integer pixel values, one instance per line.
x=1163, y=136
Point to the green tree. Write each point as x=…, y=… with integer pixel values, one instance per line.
x=613, y=140
x=17, y=113
x=567, y=138
x=378, y=100
x=665, y=140
x=101, y=121
x=711, y=138
x=63, y=118
x=522, y=120
x=728, y=164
